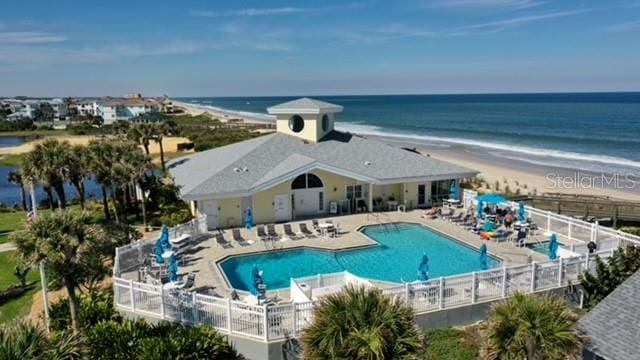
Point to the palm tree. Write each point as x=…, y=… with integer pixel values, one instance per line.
x=100, y=157
x=48, y=164
x=78, y=170
x=15, y=177
x=531, y=327
x=361, y=323
x=23, y=340
x=69, y=244
x=143, y=134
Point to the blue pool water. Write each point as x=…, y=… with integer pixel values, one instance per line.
x=541, y=247
x=395, y=259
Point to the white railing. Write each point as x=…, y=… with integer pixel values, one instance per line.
x=571, y=229
x=131, y=256
x=274, y=322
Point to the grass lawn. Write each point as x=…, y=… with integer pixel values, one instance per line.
x=20, y=306
x=14, y=160
x=16, y=220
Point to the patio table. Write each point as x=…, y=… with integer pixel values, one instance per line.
x=180, y=239
x=175, y=285
x=324, y=228
x=167, y=254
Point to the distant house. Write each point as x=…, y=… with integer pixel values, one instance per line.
x=27, y=108
x=113, y=110
x=613, y=326
x=88, y=107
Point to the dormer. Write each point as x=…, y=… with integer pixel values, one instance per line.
x=306, y=118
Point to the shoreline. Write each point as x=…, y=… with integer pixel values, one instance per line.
x=519, y=174
x=224, y=115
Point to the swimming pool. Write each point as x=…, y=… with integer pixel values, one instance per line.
x=541, y=247
x=395, y=258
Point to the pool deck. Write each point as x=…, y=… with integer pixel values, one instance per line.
x=206, y=252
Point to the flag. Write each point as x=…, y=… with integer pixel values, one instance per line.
x=30, y=217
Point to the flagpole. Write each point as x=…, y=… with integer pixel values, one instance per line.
x=43, y=273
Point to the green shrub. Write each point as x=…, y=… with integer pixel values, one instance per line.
x=139, y=340
x=95, y=306
x=444, y=344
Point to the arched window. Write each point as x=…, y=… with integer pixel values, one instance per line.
x=296, y=123
x=325, y=122
x=306, y=181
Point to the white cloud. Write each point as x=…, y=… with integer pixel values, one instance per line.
x=29, y=37
x=624, y=26
x=249, y=12
x=499, y=25
x=488, y=4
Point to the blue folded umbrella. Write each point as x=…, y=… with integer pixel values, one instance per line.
x=158, y=252
x=521, y=212
x=453, y=191
x=553, y=247
x=423, y=268
x=164, y=237
x=173, y=268
x=484, y=258
x=480, y=209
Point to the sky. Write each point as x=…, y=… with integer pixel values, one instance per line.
x=254, y=48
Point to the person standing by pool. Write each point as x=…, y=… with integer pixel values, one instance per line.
x=508, y=220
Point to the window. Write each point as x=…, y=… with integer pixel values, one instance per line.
x=354, y=191
x=296, y=123
x=313, y=181
x=325, y=122
x=321, y=200
x=421, y=194
x=306, y=181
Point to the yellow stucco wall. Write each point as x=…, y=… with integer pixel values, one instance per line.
x=263, y=202
x=230, y=212
x=312, y=130
x=335, y=186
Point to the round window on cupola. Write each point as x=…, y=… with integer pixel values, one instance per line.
x=296, y=123
x=325, y=122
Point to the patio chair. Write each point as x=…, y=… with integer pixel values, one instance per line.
x=222, y=242
x=262, y=233
x=271, y=230
x=237, y=237
x=289, y=232
x=521, y=238
x=315, y=223
x=305, y=230
x=191, y=281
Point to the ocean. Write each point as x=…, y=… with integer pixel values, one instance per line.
x=596, y=132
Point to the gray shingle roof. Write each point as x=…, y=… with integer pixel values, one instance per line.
x=613, y=326
x=304, y=106
x=252, y=165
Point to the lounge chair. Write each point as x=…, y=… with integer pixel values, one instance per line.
x=271, y=230
x=239, y=239
x=456, y=218
x=222, y=242
x=262, y=233
x=431, y=213
x=305, y=230
x=289, y=232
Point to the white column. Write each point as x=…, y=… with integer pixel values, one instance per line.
x=473, y=287
x=265, y=325
x=560, y=266
x=441, y=293
x=504, y=281
x=533, y=276
x=229, y=327
x=370, y=198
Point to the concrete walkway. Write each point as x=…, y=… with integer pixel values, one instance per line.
x=7, y=247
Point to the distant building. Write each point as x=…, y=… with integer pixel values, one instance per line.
x=613, y=326
x=27, y=108
x=113, y=110
x=133, y=96
x=88, y=107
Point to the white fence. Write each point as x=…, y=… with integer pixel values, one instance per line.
x=274, y=322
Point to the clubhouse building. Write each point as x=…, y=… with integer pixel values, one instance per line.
x=307, y=169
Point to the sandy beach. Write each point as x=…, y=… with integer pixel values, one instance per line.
x=224, y=115
x=170, y=144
